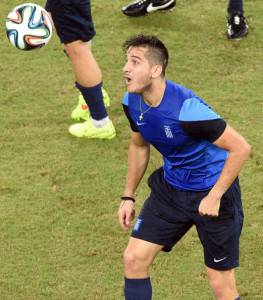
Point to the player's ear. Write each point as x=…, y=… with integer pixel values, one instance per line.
x=156, y=71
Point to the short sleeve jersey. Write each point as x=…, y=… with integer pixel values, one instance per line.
x=182, y=128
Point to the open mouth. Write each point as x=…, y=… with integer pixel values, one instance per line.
x=127, y=79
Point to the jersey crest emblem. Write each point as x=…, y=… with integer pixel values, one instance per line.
x=168, y=132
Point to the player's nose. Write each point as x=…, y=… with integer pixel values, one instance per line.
x=126, y=68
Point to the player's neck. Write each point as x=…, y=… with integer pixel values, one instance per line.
x=154, y=95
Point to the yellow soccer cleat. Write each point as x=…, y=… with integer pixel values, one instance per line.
x=88, y=130
x=81, y=112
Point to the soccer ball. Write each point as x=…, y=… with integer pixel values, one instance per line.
x=28, y=26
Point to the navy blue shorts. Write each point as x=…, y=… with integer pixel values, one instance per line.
x=72, y=19
x=169, y=213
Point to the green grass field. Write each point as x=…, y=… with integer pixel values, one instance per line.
x=59, y=196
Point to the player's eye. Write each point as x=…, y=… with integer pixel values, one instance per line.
x=135, y=61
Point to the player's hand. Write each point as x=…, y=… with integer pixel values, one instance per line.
x=209, y=206
x=126, y=214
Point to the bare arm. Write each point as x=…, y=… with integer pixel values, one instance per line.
x=239, y=151
x=138, y=158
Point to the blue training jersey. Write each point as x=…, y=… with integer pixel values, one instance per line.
x=182, y=128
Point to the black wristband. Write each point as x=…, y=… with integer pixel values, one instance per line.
x=127, y=198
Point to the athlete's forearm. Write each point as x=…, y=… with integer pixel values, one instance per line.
x=138, y=158
x=239, y=151
x=232, y=167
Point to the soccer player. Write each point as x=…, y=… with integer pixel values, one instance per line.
x=74, y=26
x=236, y=23
x=197, y=184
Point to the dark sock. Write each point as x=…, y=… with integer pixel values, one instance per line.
x=138, y=289
x=94, y=99
x=235, y=6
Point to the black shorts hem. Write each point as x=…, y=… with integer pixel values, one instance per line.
x=76, y=38
x=165, y=248
x=218, y=268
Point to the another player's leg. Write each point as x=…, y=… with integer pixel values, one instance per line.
x=89, y=82
x=75, y=28
x=81, y=111
x=138, y=257
x=142, y=7
x=236, y=23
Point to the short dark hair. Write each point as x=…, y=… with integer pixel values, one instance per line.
x=158, y=53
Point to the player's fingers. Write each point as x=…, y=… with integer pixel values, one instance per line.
x=128, y=219
x=208, y=214
x=214, y=215
x=125, y=221
x=200, y=211
x=122, y=219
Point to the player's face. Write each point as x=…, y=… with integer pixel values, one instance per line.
x=137, y=70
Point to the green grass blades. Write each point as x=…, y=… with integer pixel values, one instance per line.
x=59, y=195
